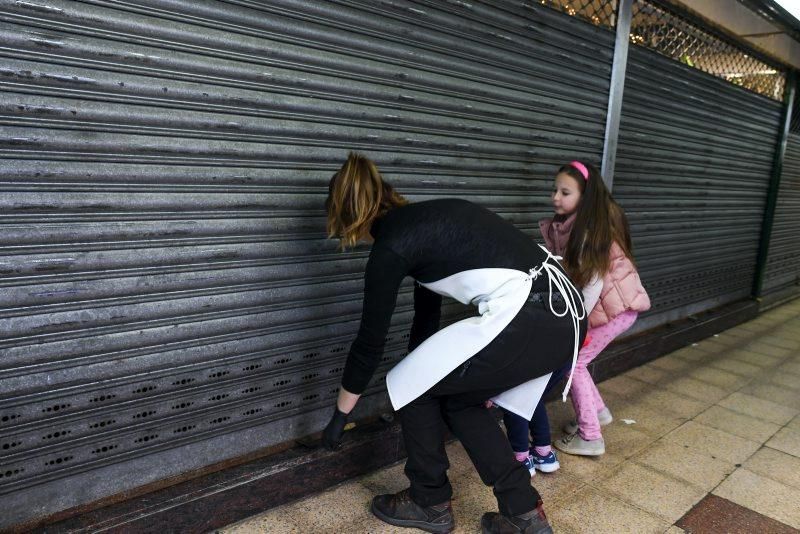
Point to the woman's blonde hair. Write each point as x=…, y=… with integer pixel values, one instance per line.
x=357, y=195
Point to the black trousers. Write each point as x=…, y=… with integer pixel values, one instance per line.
x=535, y=343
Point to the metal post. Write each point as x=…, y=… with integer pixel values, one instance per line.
x=618, y=67
x=774, y=186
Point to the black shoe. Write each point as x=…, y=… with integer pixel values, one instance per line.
x=401, y=511
x=533, y=522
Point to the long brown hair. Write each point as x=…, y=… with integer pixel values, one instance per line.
x=357, y=195
x=599, y=222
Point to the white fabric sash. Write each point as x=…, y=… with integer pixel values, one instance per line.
x=499, y=295
x=523, y=399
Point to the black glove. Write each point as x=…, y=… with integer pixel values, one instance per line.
x=332, y=435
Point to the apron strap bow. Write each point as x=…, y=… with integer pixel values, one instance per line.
x=572, y=299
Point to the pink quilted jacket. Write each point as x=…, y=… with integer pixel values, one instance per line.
x=622, y=289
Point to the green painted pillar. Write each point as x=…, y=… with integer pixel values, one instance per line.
x=774, y=185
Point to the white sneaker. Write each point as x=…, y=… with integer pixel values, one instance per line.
x=604, y=416
x=574, y=444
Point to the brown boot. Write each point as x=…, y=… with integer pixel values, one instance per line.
x=401, y=511
x=533, y=522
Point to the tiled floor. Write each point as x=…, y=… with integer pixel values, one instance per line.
x=705, y=439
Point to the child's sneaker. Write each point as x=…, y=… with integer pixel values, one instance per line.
x=530, y=465
x=546, y=464
x=603, y=416
x=574, y=444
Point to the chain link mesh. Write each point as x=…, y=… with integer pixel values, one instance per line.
x=667, y=33
x=655, y=27
x=598, y=12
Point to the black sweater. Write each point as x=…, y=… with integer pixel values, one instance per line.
x=428, y=241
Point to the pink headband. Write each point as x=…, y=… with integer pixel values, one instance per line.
x=581, y=169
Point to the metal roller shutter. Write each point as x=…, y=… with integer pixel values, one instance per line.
x=782, y=275
x=693, y=167
x=168, y=298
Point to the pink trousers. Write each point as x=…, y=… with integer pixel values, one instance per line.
x=585, y=398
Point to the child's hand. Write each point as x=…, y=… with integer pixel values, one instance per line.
x=489, y=404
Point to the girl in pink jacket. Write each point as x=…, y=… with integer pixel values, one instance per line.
x=590, y=231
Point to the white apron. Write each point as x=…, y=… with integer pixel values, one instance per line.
x=499, y=295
